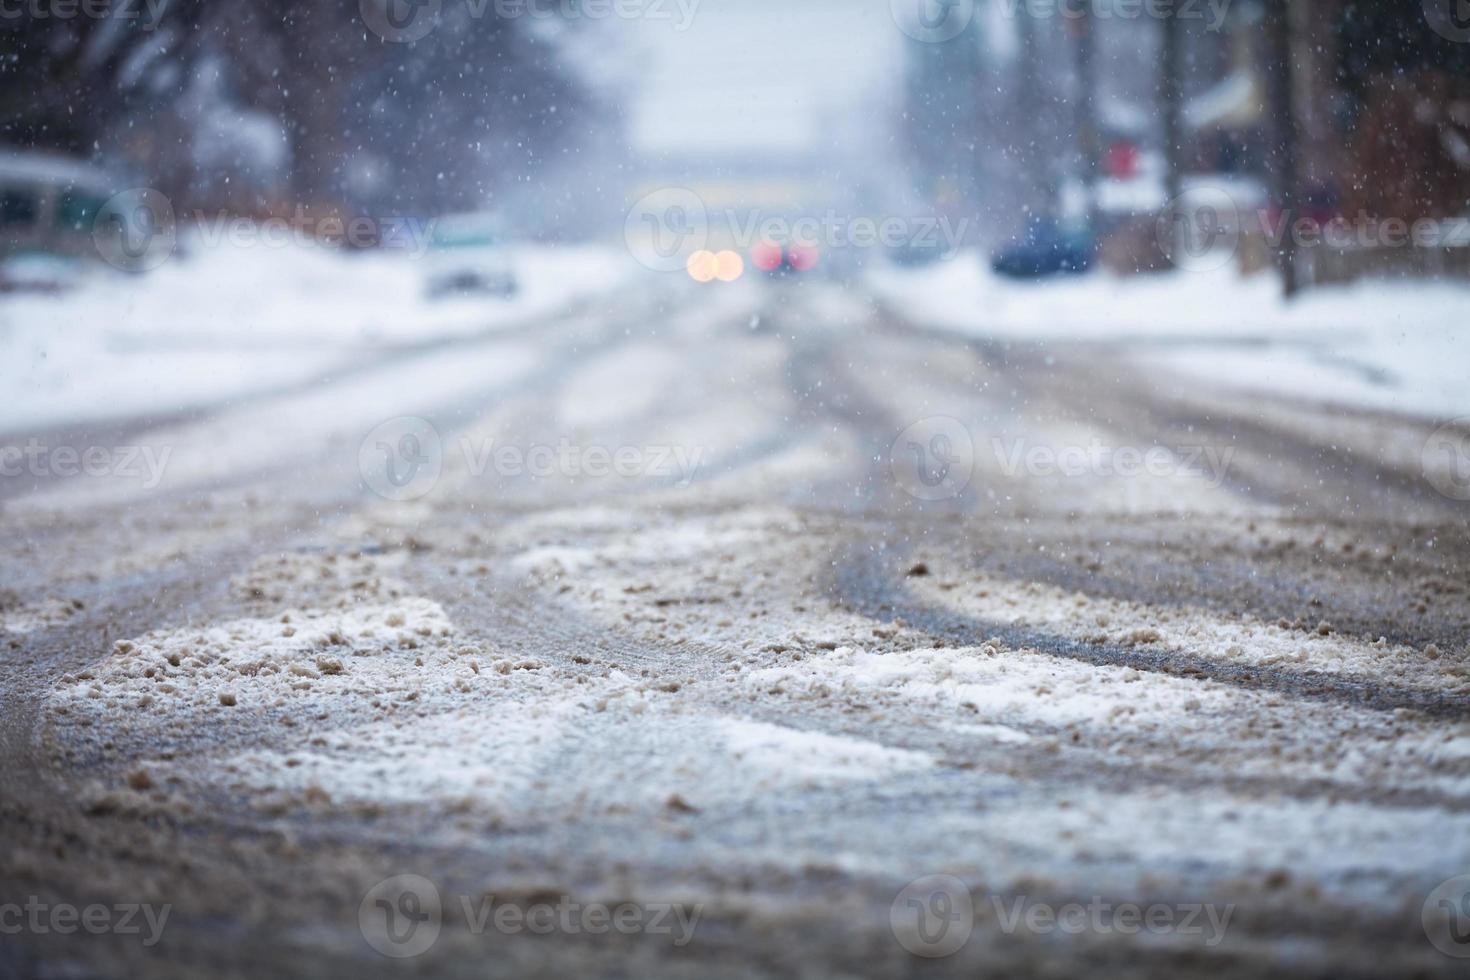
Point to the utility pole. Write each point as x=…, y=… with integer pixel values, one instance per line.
x=1088, y=146
x=1283, y=131
x=1171, y=92
x=1032, y=113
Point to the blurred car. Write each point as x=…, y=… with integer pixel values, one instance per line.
x=39, y=272
x=467, y=257
x=912, y=256
x=1046, y=247
x=783, y=258
x=48, y=204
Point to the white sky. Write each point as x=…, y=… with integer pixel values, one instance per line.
x=748, y=75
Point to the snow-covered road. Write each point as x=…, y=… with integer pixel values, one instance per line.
x=758, y=604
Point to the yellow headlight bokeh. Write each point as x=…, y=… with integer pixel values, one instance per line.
x=729, y=266
x=707, y=266
x=702, y=266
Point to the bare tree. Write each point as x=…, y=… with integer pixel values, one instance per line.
x=63, y=81
x=1031, y=100
x=1088, y=147
x=1283, y=129
x=1171, y=96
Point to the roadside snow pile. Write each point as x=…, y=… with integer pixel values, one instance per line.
x=996, y=685
x=487, y=754
x=803, y=756
x=1303, y=645
x=17, y=617
x=1120, y=716
x=499, y=757
x=298, y=661
x=1395, y=345
x=321, y=580
x=1336, y=850
x=220, y=322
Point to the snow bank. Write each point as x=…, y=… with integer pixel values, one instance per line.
x=808, y=756
x=1231, y=639
x=220, y=322
x=1391, y=345
x=295, y=658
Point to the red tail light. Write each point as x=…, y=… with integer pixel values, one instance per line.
x=766, y=257
x=802, y=257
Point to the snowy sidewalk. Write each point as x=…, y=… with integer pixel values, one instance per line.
x=1396, y=346
x=217, y=324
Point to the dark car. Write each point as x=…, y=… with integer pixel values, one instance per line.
x=467, y=257
x=1045, y=248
